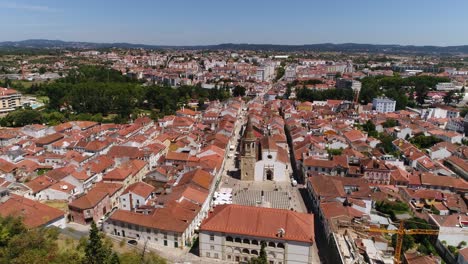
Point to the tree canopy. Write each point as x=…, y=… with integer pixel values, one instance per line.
x=19, y=245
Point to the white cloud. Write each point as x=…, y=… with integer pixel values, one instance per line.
x=27, y=7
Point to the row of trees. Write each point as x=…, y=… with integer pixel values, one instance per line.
x=20, y=245
x=304, y=94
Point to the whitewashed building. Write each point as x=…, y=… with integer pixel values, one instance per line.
x=234, y=233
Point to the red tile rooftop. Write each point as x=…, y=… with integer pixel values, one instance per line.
x=257, y=221
x=34, y=214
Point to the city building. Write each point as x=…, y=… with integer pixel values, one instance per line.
x=446, y=86
x=9, y=100
x=263, y=160
x=383, y=105
x=234, y=233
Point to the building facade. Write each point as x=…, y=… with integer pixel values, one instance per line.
x=234, y=233
x=383, y=105
x=9, y=100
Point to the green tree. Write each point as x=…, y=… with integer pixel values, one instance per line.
x=95, y=251
x=262, y=258
x=22, y=117
x=424, y=142
x=28, y=246
x=386, y=142
x=408, y=242
x=42, y=70
x=448, y=97
x=390, y=123
x=238, y=91
x=279, y=73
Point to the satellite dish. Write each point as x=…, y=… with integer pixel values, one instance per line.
x=64, y=187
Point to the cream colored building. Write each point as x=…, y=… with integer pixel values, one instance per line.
x=9, y=100
x=234, y=233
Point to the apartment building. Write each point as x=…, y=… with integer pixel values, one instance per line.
x=9, y=100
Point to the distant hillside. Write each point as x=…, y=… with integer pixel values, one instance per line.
x=346, y=47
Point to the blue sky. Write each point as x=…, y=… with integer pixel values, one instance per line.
x=190, y=22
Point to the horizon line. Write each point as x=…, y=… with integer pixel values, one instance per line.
x=240, y=43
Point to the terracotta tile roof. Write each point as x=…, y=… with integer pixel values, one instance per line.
x=334, y=186
x=354, y=135
x=60, y=173
x=320, y=163
x=34, y=214
x=89, y=200
x=110, y=187
x=100, y=164
x=140, y=188
x=171, y=155
x=257, y=221
x=268, y=143
x=462, y=164
x=443, y=181
x=97, y=145
x=125, y=151
x=198, y=177
x=193, y=194
x=63, y=186
x=48, y=139
x=176, y=217
x=213, y=148
x=6, y=166
x=40, y=183
x=335, y=209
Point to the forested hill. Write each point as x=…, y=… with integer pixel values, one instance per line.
x=323, y=47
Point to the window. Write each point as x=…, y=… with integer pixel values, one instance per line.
x=229, y=239
x=165, y=242
x=237, y=258
x=211, y=237
x=212, y=247
x=280, y=245
x=176, y=244
x=246, y=241
x=271, y=244
x=229, y=257
x=238, y=240
x=254, y=242
x=208, y=254
x=216, y=255
x=149, y=238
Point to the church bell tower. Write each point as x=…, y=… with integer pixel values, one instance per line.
x=249, y=153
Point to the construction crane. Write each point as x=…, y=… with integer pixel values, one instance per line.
x=400, y=232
